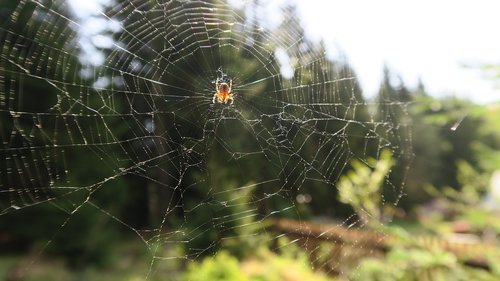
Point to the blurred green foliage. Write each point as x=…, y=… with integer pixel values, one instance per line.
x=222, y=267
x=361, y=187
x=407, y=264
x=263, y=266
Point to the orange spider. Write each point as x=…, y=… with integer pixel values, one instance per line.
x=223, y=92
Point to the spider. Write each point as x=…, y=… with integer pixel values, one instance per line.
x=223, y=92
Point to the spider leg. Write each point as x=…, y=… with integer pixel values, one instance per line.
x=231, y=97
x=216, y=90
x=230, y=85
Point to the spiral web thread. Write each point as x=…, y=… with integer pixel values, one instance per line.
x=134, y=103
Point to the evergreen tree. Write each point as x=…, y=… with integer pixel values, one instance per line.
x=394, y=129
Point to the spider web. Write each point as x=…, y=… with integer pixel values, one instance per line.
x=121, y=105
